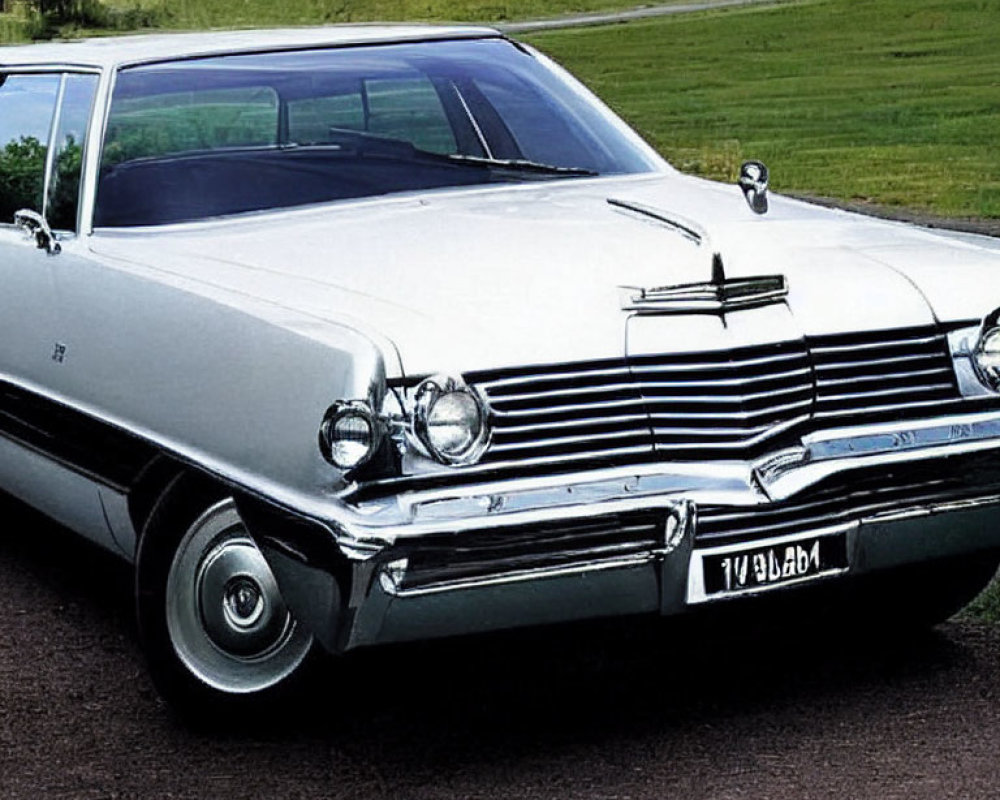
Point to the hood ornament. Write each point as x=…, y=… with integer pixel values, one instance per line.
x=753, y=181
x=718, y=296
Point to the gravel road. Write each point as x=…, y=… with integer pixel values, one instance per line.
x=615, y=711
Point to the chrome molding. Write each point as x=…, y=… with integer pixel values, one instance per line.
x=707, y=298
x=687, y=228
x=824, y=453
x=391, y=577
x=717, y=296
x=931, y=509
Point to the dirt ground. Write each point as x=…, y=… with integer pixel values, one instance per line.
x=613, y=711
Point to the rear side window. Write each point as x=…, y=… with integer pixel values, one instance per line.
x=39, y=113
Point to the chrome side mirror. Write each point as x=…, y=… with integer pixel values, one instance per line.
x=753, y=182
x=35, y=226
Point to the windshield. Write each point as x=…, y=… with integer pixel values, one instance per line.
x=208, y=137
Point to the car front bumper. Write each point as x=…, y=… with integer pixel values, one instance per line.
x=630, y=540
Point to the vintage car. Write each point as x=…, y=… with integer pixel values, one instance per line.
x=360, y=335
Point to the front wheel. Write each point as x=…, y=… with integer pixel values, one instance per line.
x=213, y=624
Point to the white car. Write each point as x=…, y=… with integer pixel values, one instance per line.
x=359, y=335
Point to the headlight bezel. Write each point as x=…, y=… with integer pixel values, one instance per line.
x=426, y=396
x=337, y=413
x=989, y=376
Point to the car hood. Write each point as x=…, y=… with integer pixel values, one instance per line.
x=532, y=274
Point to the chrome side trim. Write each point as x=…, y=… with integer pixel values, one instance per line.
x=696, y=593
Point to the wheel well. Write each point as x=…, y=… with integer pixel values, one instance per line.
x=156, y=477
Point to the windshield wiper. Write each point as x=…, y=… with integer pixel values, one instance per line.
x=365, y=144
x=521, y=165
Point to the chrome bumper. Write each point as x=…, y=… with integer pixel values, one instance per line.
x=361, y=590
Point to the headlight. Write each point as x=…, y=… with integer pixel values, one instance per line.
x=450, y=420
x=986, y=356
x=350, y=435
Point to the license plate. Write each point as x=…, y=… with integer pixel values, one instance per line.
x=764, y=567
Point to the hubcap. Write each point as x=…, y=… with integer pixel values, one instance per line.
x=225, y=614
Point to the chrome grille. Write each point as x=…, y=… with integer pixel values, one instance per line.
x=726, y=401
x=848, y=499
x=720, y=404
x=882, y=372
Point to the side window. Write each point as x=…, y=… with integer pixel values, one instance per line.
x=27, y=107
x=64, y=183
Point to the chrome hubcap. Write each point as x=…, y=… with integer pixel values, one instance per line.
x=226, y=617
x=244, y=603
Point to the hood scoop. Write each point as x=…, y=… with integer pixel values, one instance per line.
x=717, y=296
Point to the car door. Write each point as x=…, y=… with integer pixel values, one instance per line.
x=43, y=121
x=44, y=117
x=27, y=113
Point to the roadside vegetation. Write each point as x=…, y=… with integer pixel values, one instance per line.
x=39, y=19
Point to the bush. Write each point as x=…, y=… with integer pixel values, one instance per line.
x=55, y=17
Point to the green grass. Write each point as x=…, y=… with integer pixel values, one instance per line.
x=986, y=607
x=891, y=101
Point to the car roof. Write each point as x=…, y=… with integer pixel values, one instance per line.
x=119, y=50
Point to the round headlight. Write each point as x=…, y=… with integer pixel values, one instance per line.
x=987, y=357
x=450, y=421
x=349, y=435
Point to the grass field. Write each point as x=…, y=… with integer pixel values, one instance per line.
x=892, y=101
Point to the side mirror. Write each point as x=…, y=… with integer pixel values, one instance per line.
x=753, y=182
x=35, y=226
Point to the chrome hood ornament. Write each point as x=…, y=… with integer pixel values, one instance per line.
x=717, y=296
x=753, y=181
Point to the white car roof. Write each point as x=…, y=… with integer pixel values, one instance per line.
x=119, y=50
